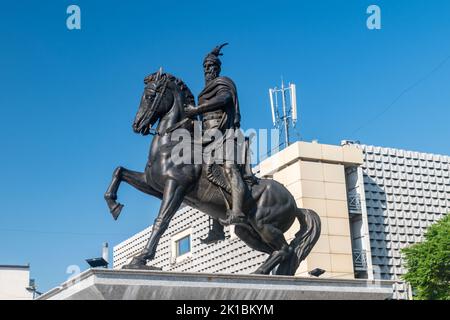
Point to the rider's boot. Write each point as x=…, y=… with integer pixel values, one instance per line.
x=236, y=214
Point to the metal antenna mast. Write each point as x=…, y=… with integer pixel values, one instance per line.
x=289, y=112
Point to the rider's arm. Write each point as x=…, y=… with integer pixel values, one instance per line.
x=216, y=103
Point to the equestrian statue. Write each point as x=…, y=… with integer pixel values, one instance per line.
x=222, y=185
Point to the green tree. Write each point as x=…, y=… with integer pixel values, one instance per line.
x=428, y=263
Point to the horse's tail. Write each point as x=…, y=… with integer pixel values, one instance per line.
x=304, y=241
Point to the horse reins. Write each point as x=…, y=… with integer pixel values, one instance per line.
x=156, y=103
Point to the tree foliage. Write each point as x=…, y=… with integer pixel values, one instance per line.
x=428, y=263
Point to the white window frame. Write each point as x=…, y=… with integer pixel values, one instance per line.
x=174, y=242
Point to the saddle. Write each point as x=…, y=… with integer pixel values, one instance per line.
x=215, y=172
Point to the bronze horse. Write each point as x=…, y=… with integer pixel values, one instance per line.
x=269, y=206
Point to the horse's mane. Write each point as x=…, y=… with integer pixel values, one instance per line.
x=183, y=87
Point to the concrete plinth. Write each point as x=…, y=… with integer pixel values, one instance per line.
x=100, y=284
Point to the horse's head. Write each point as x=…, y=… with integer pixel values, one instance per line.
x=155, y=102
x=161, y=91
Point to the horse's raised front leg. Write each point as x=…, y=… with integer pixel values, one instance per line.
x=173, y=197
x=133, y=178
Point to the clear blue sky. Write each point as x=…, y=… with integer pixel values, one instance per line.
x=68, y=98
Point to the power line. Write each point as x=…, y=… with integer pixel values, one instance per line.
x=269, y=153
x=62, y=232
x=409, y=88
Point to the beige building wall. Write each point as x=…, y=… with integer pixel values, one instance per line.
x=14, y=281
x=315, y=175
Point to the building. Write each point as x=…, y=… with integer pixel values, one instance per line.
x=372, y=202
x=15, y=282
x=405, y=192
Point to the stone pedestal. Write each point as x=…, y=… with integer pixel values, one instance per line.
x=103, y=284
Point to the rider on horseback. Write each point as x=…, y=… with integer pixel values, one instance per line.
x=219, y=107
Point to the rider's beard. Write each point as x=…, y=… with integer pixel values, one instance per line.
x=211, y=76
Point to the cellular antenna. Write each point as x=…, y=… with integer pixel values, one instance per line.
x=293, y=103
x=272, y=107
x=285, y=118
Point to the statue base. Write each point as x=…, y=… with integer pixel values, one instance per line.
x=104, y=284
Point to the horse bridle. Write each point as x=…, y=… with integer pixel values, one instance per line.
x=155, y=105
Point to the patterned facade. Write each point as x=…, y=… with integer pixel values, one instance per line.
x=405, y=193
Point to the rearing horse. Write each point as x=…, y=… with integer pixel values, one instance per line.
x=269, y=206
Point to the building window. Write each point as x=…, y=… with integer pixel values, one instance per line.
x=183, y=245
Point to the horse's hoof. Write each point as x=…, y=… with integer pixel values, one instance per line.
x=115, y=212
x=258, y=271
x=138, y=263
x=141, y=267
